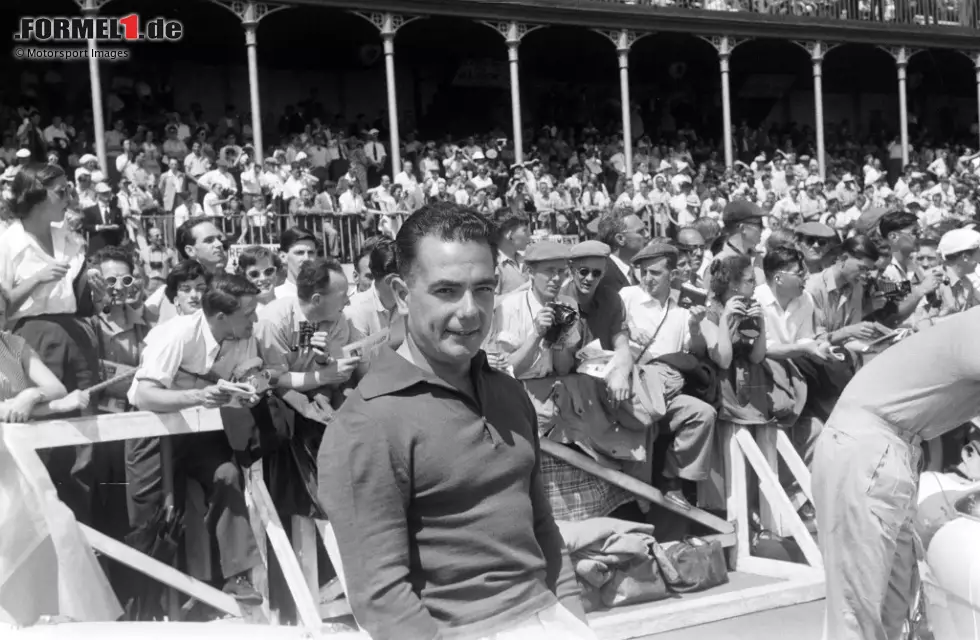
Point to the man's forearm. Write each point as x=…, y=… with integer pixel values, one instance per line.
x=161, y=400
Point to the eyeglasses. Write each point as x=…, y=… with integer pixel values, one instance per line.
x=584, y=272
x=255, y=273
x=814, y=241
x=802, y=275
x=126, y=281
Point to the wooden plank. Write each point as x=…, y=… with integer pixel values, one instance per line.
x=260, y=574
x=738, y=495
x=777, y=568
x=634, y=486
x=770, y=515
x=304, y=544
x=113, y=426
x=771, y=489
x=640, y=622
x=333, y=550
x=795, y=463
x=162, y=572
x=306, y=605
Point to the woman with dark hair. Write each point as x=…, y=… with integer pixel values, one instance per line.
x=261, y=266
x=43, y=279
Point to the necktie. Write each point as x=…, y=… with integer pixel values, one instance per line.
x=374, y=155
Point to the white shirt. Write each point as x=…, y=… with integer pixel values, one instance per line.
x=212, y=206
x=21, y=257
x=644, y=314
x=787, y=326
x=185, y=345
x=368, y=316
x=375, y=151
x=286, y=290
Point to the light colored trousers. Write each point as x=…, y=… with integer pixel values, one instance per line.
x=554, y=623
x=865, y=477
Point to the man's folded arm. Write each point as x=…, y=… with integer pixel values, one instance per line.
x=365, y=497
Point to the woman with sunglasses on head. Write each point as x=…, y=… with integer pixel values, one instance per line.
x=42, y=277
x=261, y=266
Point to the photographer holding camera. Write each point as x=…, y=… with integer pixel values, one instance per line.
x=901, y=230
x=538, y=330
x=958, y=249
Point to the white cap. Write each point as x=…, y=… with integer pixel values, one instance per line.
x=373, y=132
x=812, y=181
x=300, y=156
x=479, y=156
x=847, y=177
x=88, y=157
x=102, y=188
x=23, y=153
x=958, y=241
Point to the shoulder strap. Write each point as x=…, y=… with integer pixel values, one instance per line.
x=653, y=337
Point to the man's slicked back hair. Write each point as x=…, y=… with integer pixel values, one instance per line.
x=446, y=221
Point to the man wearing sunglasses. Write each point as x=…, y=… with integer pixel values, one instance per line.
x=603, y=311
x=815, y=241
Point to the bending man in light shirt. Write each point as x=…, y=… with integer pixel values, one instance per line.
x=182, y=362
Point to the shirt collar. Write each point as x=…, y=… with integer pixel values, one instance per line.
x=391, y=373
x=619, y=263
x=765, y=296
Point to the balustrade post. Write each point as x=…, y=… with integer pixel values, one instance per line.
x=89, y=9
x=725, y=45
x=623, y=40
x=513, y=33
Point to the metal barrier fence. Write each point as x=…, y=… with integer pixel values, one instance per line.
x=340, y=235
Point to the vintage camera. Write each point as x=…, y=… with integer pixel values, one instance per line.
x=303, y=340
x=691, y=296
x=749, y=327
x=565, y=318
x=889, y=290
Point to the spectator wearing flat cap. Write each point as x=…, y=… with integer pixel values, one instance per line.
x=602, y=310
x=659, y=327
x=522, y=320
x=743, y=227
x=817, y=242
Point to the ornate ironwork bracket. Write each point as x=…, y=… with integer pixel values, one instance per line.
x=622, y=39
x=816, y=49
x=387, y=24
x=902, y=55
x=724, y=45
x=513, y=32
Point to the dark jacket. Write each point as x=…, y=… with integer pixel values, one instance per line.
x=92, y=216
x=700, y=376
x=613, y=278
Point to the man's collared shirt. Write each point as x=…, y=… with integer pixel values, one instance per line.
x=277, y=331
x=625, y=268
x=645, y=315
x=368, y=316
x=956, y=296
x=836, y=306
x=510, y=274
x=787, y=326
x=184, y=354
x=438, y=504
x=513, y=324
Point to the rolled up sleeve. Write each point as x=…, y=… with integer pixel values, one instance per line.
x=160, y=363
x=364, y=489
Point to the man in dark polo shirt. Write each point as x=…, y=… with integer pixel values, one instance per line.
x=602, y=309
x=430, y=472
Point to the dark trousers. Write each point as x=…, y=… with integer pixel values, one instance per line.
x=208, y=459
x=67, y=346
